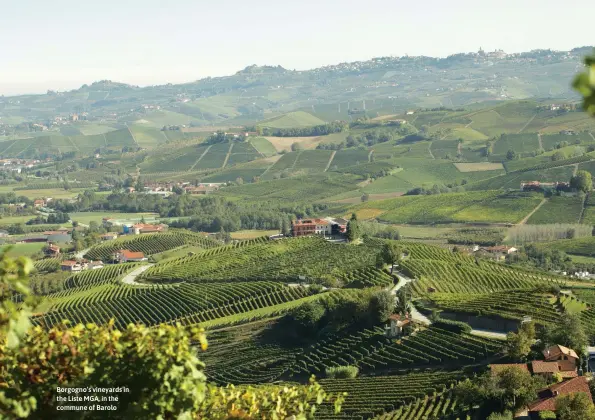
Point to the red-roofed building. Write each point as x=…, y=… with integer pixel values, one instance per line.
x=565, y=368
x=125, y=255
x=397, y=324
x=547, y=396
x=70, y=265
x=52, y=250
x=109, y=236
x=558, y=352
x=145, y=228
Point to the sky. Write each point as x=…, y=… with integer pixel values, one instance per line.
x=62, y=44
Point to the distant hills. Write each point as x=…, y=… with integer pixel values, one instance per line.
x=344, y=91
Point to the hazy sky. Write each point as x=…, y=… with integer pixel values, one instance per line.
x=61, y=44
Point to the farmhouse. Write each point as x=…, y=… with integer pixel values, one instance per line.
x=70, y=265
x=564, y=368
x=139, y=228
x=544, y=186
x=547, y=396
x=497, y=252
x=326, y=226
x=52, y=251
x=397, y=325
x=558, y=352
x=109, y=236
x=125, y=255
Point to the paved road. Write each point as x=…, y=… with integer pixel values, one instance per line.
x=130, y=278
x=415, y=314
x=419, y=317
x=79, y=255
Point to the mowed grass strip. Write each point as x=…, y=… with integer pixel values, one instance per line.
x=479, y=167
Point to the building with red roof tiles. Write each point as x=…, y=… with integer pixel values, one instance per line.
x=125, y=255
x=547, y=396
x=558, y=352
x=565, y=368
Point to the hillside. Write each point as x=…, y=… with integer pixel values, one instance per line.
x=380, y=86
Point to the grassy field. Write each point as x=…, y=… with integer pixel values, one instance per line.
x=14, y=220
x=284, y=143
x=478, y=167
x=26, y=249
x=252, y=233
x=294, y=119
x=86, y=217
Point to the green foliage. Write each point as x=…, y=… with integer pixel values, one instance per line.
x=582, y=181
x=342, y=372
x=576, y=406
x=506, y=415
x=568, y=331
x=518, y=345
x=547, y=415
x=454, y=326
x=584, y=83
x=353, y=231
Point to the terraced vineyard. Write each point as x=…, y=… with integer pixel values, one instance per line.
x=372, y=351
x=444, y=405
x=275, y=260
x=375, y=395
x=485, y=206
x=149, y=243
x=508, y=304
x=185, y=303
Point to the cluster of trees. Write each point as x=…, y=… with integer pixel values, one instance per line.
x=378, y=230
x=363, y=309
x=52, y=219
x=476, y=236
x=546, y=259
x=220, y=137
x=439, y=189
x=582, y=181
x=317, y=130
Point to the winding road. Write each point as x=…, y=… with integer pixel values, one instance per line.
x=130, y=278
x=421, y=318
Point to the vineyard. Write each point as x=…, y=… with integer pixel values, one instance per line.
x=275, y=260
x=485, y=206
x=444, y=405
x=375, y=395
x=242, y=292
x=509, y=304
x=186, y=303
x=150, y=243
x=558, y=210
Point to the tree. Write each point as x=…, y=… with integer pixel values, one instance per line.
x=582, y=181
x=577, y=406
x=506, y=415
x=517, y=386
x=568, y=332
x=353, y=231
x=584, y=83
x=296, y=147
x=518, y=345
x=403, y=302
x=365, y=197
x=559, y=155
x=511, y=155
x=381, y=306
x=392, y=253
